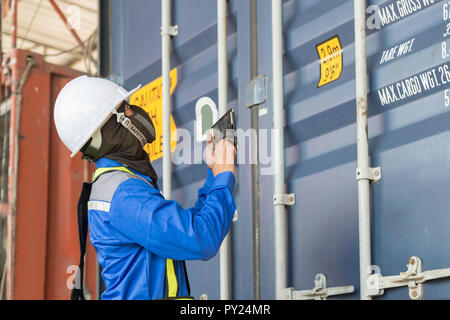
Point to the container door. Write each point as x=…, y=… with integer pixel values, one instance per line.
x=408, y=56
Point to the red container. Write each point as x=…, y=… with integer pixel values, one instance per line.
x=49, y=183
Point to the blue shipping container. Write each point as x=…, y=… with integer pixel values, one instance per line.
x=408, y=55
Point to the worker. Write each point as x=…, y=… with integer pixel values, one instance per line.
x=142, y=240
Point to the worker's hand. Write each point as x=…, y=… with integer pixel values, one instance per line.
x=222, y=157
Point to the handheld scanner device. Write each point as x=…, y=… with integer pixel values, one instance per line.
x=225, y=128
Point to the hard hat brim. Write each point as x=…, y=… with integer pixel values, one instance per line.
x=129, y=94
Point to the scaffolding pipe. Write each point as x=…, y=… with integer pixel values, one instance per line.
x=66, y=23
x=225, y=248
x=12, y=168
x=3, y=97
x=70, y=28
x=14, y=24
x=362, y=145
x=166, y=101
x=280, y=219
x=14, y=159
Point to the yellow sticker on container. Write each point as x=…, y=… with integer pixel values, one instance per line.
x=149, y=98
x=331, y=61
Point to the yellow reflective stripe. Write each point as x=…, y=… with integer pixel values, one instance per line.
x=101, y=171
x=172, y=282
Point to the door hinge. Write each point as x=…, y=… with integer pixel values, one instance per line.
x=256, y=91
x=284, y=199
x=319, y=292
x=371, y=174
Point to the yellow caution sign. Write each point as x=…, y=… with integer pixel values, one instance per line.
x=149, y=98
x=331, y=62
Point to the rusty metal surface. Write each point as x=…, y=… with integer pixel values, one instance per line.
x=49, y=183
x=32, y=193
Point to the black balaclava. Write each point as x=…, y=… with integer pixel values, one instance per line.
x=121, y=145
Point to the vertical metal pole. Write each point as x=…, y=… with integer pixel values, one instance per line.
x=14, y=24
x=4, y=150
x=280, y=218
x=105, y=38
x=12, y=156
x=225, y=249
x=362, y=144
x=165, y=58
x=255, y=152
x=1, y=40
x=3, y=96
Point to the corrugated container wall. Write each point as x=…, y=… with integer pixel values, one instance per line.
x=407, y=56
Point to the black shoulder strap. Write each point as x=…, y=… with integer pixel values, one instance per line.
x=77, y=291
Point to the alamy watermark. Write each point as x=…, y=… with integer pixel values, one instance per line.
x=379, y=16
x=73, y=17
x=374, y=20
x=73, y=280
x=189, y=151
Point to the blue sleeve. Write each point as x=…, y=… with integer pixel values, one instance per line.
x=162, y=226
x=203, y=191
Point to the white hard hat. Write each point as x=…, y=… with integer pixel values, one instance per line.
x=83, y=106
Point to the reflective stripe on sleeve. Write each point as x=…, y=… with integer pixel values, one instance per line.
x=99, y=205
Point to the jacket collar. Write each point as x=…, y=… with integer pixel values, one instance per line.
x=108, y=163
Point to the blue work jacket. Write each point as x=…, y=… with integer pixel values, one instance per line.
x=136, y=231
